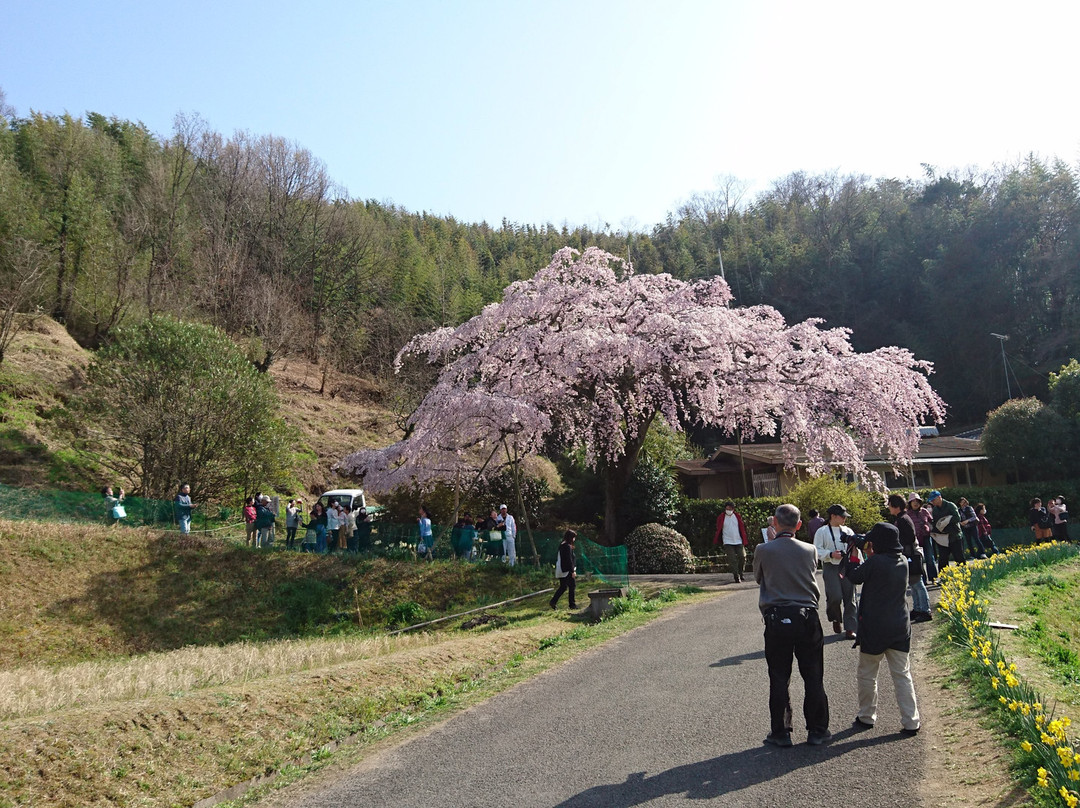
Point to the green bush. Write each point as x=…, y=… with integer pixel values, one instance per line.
x=866, y=507
x=406, y=613
x=652, y=496
x=657, y=549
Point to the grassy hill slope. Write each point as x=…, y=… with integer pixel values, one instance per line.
x=45, y=366
x=72, y=593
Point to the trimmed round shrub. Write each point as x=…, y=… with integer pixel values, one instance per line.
x=654, y=548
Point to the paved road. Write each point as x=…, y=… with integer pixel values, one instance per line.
x=669, y=713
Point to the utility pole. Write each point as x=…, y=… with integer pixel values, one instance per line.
x=1004, y=362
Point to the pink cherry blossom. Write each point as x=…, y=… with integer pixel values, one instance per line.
x=587, y=353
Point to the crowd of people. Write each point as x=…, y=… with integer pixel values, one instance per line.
x=785, y=569
x=867, y=582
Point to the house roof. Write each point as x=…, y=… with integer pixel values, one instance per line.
x=931, y=450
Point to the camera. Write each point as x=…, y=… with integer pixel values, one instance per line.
x=857, y=541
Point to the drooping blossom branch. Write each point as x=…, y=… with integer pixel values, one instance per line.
x=586, y=353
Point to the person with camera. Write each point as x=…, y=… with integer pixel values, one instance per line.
x=833, y=542
x=884, y=627
x=786, y=572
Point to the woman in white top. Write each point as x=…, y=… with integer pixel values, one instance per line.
x=831, y=541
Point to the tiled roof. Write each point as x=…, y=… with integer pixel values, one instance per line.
x=958, y=450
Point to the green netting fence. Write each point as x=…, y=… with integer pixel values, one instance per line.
x=85, y=506
x=380, y=538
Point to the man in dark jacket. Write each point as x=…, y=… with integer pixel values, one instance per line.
x=884, y=627
x=567, y=570
x=947, y=524
x=920, y=598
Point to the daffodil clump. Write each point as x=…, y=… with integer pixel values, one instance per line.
x=1043, y=737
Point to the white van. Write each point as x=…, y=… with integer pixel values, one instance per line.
x=352, y=497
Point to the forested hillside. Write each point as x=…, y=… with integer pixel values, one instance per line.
x=103, y=222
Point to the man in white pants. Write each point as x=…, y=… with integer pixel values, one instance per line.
x=509, y=536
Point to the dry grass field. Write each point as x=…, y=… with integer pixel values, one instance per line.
x=141, y=669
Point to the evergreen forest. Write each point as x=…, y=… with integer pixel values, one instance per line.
x=104, y=223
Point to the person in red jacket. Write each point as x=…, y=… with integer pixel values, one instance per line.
x=731, y=534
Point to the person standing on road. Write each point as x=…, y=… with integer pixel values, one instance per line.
x=832, y=544
x=913, y=552
x=786, y=572
x=813, y=524
x=884, y=627
x=566, y=570
x=509, y=536
x=183, y=507
x=922, y=519
x=731, y=535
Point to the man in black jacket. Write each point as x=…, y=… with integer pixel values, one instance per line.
x=884, y=627
x=566, y=571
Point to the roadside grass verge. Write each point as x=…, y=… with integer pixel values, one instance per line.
x=177, y=747
x=1045, y=758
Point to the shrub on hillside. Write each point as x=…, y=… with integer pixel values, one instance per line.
x=654, y=548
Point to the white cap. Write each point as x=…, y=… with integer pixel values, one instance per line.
x=502, y=507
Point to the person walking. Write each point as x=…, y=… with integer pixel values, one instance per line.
x=833, y=542
x=731, y=535
x=923, y=519
x=786, y=572
x=946, y=530
x=566, y=570
x=509, y=536
x=183, y=507
x=884, y=627
x=913, y=552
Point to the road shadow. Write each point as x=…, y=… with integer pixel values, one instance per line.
x=709, y=779
x=755, y=655
x=738, y=660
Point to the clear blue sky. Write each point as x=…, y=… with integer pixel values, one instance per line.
x=586, y=112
